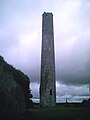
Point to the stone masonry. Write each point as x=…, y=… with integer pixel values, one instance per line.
x=47, y=82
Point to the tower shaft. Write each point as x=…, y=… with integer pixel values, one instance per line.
x=47, y=82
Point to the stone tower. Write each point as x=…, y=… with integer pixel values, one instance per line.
x=47, y=82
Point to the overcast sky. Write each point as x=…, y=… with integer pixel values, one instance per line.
x=20, y=42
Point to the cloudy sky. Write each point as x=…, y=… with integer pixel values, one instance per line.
x=20, y=42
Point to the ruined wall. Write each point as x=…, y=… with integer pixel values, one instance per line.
x=14, y=90
x=47, y=83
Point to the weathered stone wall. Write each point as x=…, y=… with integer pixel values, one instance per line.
x=14, y=90
x=47, y=85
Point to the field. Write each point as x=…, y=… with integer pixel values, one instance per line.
x=60, y=112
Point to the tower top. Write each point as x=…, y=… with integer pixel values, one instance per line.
x=46, y=13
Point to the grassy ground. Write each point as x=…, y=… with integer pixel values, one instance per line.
x=59, y=113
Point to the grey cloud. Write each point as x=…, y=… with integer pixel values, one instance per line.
x=72, y=90
x=73, y=63
x=35, y=89
x=74, y=68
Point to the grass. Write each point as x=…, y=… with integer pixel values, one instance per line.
x=60, y=113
